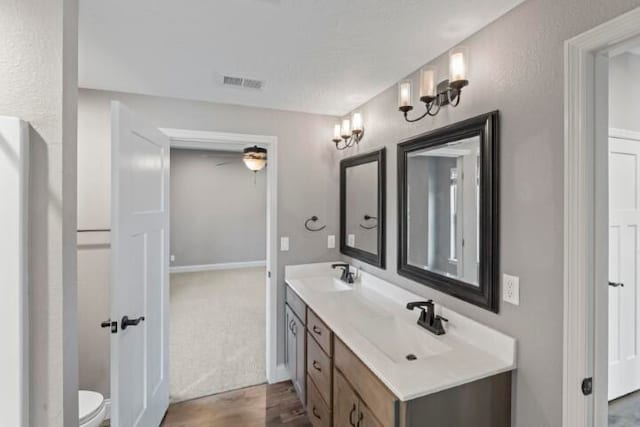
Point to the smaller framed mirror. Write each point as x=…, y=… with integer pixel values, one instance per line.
x=362, y=205
x=449, y=210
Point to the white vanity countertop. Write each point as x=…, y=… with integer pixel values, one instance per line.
x=371, y=318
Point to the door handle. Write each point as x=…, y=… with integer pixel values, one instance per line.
x=126, y=322
x=616, y=284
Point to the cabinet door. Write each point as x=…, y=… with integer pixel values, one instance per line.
x=299, y=378
x=290, y=339
x=366, y=418
x=345, y=402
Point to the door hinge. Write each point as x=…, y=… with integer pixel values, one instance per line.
x=587, y=386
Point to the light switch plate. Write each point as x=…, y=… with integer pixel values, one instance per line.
x=511, y=289
x=173, y=257
x=331, y=241
x=351, y=240
x=284, y=244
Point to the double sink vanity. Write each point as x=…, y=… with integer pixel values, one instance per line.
x=357, y=357
x=363, y=352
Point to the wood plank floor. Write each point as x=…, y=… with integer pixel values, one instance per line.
x=266, y=405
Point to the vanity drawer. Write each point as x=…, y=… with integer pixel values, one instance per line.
x=317, y=410
x=319, y=331
x=297, y=305
x=319, y=368
x=379, y=399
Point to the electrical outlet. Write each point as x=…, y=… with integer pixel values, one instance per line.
x=173, y=258
x=511, y=289
x=331, y=241
x=284, y=244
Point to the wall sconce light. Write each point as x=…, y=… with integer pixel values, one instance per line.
x=437, y=96
x=349, y=133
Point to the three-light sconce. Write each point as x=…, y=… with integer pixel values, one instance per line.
x=349, y=133
x=434, y=96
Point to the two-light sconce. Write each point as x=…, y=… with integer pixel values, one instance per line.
x=438, y=95
x=349, y=133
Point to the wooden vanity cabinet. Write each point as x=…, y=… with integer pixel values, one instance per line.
x=319, y=371
x=348, y=408
x=339, y=390
x=296, y=342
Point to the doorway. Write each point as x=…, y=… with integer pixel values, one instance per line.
x=624, y=223
x=602, y=197
x=218, y=270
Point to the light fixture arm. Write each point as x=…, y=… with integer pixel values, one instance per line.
x=350, y=141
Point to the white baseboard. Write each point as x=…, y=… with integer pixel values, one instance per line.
x=281, y=374
x=107, y=405
x=221, y=266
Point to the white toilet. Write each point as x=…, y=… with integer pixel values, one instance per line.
x=91, y=408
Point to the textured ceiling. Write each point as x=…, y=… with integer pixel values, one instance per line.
x=318, y=56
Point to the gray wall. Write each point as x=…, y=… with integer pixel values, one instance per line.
x=38, y=83
x=307, y=185
x=517, y=67
x=624, y=92
x=218, y=213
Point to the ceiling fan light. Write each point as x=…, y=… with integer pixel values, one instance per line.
x=255, y=158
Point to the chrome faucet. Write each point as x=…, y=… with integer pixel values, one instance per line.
x=428, y=319
x=346, y=276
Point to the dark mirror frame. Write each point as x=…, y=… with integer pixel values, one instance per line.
x=486, y=295
x=379, y=156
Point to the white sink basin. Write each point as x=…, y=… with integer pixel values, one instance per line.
x=327, y=284
x=400, y=341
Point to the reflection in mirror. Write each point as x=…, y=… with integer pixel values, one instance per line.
x=362, y=207
x=443, y=184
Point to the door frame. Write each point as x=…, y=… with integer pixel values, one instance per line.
x=585, y=217
x=212, y=140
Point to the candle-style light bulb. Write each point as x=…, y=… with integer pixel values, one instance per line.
x=404, y=96
x=458, y=67
x=356, y=123
x=345, y=132
x=336, y=133
x=427, y=84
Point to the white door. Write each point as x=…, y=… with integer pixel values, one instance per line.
x=624, y=249
x=139, y=275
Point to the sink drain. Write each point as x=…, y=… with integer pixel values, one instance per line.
x=411, y=357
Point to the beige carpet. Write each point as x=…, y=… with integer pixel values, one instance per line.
x=217, y=332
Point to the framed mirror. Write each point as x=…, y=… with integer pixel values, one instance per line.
x=449, y=211
x=362, y=205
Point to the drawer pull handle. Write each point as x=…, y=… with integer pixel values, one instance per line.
x=353, y=411
x=317, y=330
x=360, y=419
x=316, y=365
x=315, y=413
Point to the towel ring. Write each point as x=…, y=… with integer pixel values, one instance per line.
x=313, y=219
x=367, y=218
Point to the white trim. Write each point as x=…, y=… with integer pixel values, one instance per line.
x=219, y=266
x=281, y=374
x=624, y=134
x=584, y=123
x=107, y=407
x=209, y=140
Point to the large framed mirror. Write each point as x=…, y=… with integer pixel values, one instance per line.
x=449, y=210
x=362, y=205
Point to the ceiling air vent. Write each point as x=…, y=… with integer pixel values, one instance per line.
x=242, y=82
